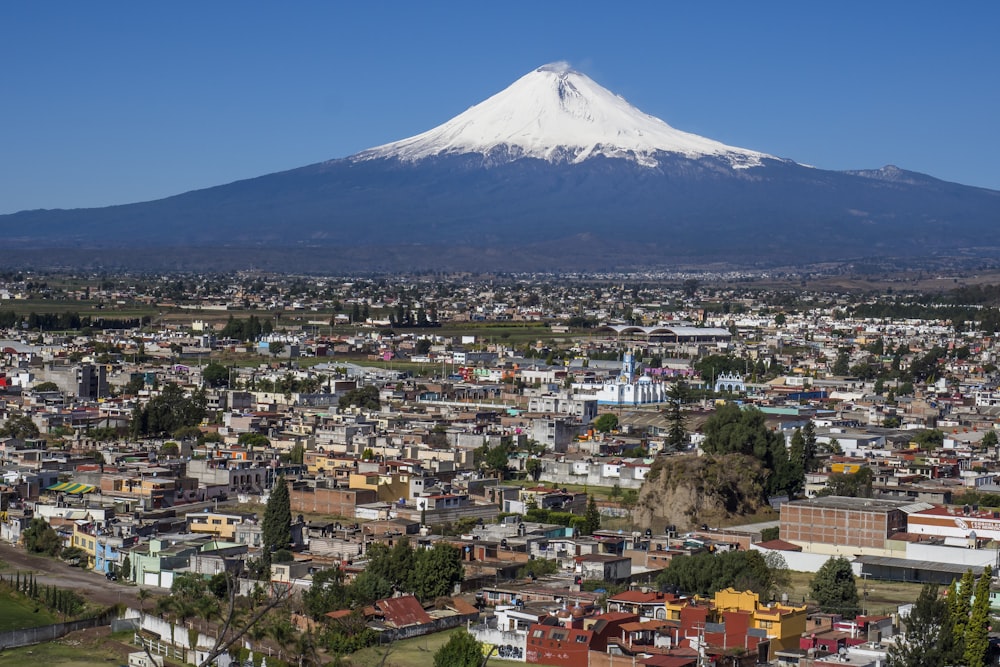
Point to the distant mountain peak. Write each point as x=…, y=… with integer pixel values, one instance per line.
x=559, y=115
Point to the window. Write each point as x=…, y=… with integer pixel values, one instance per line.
x=558, y=634
x=538, y=634
x=581, y=639
x=661, y=614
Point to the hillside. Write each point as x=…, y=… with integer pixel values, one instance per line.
x=687, y=491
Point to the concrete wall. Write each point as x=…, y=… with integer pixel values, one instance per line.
x=437, y=625
x=803, y=562
x=46, y=633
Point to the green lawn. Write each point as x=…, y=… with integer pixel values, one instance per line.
x=416, y=652
x=17, y=612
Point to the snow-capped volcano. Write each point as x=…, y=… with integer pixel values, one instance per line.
x=460, y=197
x=557, y=114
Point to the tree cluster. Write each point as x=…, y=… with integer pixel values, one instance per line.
x=363, y=397
x=40, y=538
x=249, y=329
x=707, y=572
x=733, y=430
x=426, y=573
x=20, y=427
x=167, y=412
x=953, y=630
x=59, y=600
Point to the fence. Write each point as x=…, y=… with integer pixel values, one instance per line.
x=46, y=633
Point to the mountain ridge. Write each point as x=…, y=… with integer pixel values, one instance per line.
x=610, y=196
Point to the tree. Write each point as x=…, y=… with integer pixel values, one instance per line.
x=928, y=641
x=215, y=375
x=977, y=639
x=534, y=468
x=253, y=439
x=275, y=348
x=327, y=593
x=733, y=430
x=676, y=430
x=989, y=439
x=853, y=485
x=834, y=588
x=929, y=439
x=276, y=531
x=40, y=537
x=168, y=412
x=462, y=650
x=842, y=366
x=436, y=571
x=959, y=607
x=606, y=423
x=363, y=397
x=494, y=459
x=705, y=573
x=20, y=427
x=797, y=459
x=592, y=518
x=809, y=446
x=45, y=386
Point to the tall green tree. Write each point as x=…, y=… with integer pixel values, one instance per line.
x=436, y=571
x=591, y=518
x=462, y=650
x=977, y=639
x=276, y=527
x=809, y=448
x=959, y=609
x=928, y=641
x=797, y=460
x=676, y=429
x=835, y=589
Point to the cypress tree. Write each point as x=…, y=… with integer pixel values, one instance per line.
x=276, y=528
x=977, y=640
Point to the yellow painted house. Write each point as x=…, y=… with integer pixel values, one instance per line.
x=222, y=526
x=784, y=624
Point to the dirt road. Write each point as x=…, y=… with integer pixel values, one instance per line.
x=90, y=584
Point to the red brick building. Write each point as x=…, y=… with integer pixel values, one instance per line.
x=837, y=521
x=335, y=502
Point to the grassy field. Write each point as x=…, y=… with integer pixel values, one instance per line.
x=88, y=649
x=17, y=612
x=416, y=652
x=883, y=596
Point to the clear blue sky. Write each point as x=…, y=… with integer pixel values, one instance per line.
x=112, y=102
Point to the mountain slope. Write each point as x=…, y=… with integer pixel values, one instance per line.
x=553, y=172
x=558, y=115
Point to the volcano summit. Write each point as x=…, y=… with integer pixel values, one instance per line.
x=554, y=172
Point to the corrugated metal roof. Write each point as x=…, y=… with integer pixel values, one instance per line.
x=916, y=507
x=905, y=563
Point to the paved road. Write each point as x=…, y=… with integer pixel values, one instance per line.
x=90, y=584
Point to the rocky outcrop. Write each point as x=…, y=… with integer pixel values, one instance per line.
x=687, y=491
